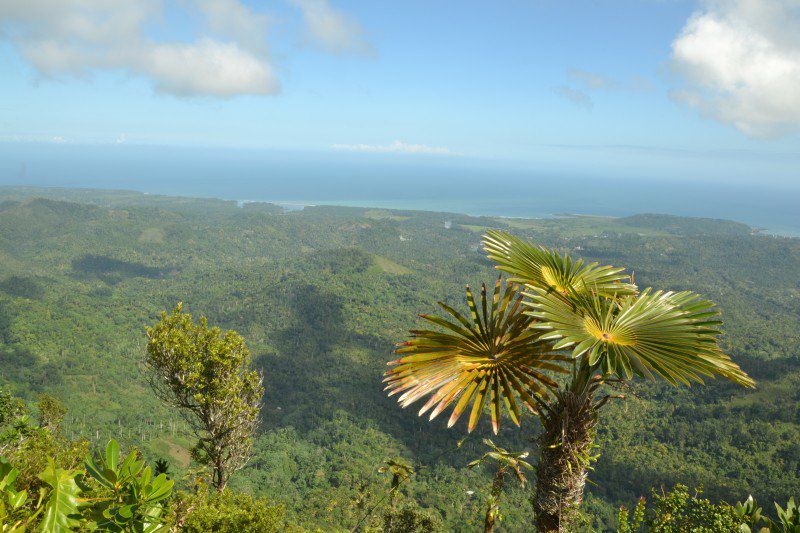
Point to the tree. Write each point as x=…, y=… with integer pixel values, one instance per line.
x=399, y=472
x=205, y=373
x=507, y=463
x=51, y=412
x=556, y=311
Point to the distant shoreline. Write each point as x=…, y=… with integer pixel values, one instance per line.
x=479, y=207
x=300, y=205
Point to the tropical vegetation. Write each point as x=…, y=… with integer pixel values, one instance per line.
x=320, y=296
x=502, y=354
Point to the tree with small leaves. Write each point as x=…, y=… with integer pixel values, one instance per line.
x=51, y=412
x=206, y=373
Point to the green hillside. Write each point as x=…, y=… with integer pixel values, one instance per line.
x=321, y=296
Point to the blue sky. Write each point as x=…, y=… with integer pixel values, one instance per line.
x=642, y=88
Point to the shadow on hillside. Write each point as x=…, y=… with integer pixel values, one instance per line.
x=322, y=368
x=22, y=287
x=113, y=270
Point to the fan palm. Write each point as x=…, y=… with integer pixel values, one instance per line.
x=591, y=315
x=507, y=463
x=493, y=356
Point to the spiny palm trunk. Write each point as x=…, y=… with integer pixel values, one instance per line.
x=564, y=455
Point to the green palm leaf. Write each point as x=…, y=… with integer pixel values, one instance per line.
x=544, y=270
x=669, y=334
x=492, y=357
x=514, y=461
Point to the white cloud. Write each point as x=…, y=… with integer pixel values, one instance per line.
x=582, y=84
x=330, y=28
x=208, y=67
x=78, y=37
x=394, y=147
x=592, y=80
x=232, y=19
x=576, y=96
x=740, y=60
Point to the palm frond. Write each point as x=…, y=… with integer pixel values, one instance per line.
x=492, y=357
x=545, y=270
x=514, y=461
x=670, y=334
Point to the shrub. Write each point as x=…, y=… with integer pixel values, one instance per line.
x=206, y=511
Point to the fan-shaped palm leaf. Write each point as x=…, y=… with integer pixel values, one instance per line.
x=671, y=334
x=544, y=270
x=494, y=356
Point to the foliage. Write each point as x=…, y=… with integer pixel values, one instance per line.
x=161, y=466
x=51, y=412
x=399, y=472
x=102, y=493
x=12, y=513
x=409, y=518
x=61, y=511
x=631, y=524
x=612, y=330
x=609, y=323
x=32, y=447
x=129, y=497
x=681, y=510
x=748, y=513
x=507, y=463
x=308, y=292
x=788, y=519
x=206, y=511
x=494, y=357
x=206, y=374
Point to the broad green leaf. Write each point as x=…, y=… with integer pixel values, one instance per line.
x=61, y=505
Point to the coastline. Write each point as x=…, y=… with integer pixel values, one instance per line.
x=494, y=208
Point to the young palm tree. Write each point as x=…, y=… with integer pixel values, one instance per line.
x=399, y=472
x=507, y=463
x=555, y=311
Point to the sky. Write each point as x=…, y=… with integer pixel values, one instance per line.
x=664, y=89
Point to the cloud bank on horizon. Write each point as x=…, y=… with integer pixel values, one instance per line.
x=740, y=60
x=229, y=57
x=396, y=147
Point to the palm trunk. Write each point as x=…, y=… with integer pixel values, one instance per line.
x=493, y=508
x=564, y=455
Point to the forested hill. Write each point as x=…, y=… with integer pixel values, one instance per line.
x=321, y=296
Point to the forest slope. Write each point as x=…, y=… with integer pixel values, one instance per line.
x=321, y=295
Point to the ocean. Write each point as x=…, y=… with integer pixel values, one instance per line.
x=431, y=183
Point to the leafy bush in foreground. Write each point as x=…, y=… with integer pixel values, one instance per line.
x=680, y=510
x=205, y=511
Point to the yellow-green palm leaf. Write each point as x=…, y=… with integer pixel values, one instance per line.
x=669, y=334
x=545, y=270
x=491, y=357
